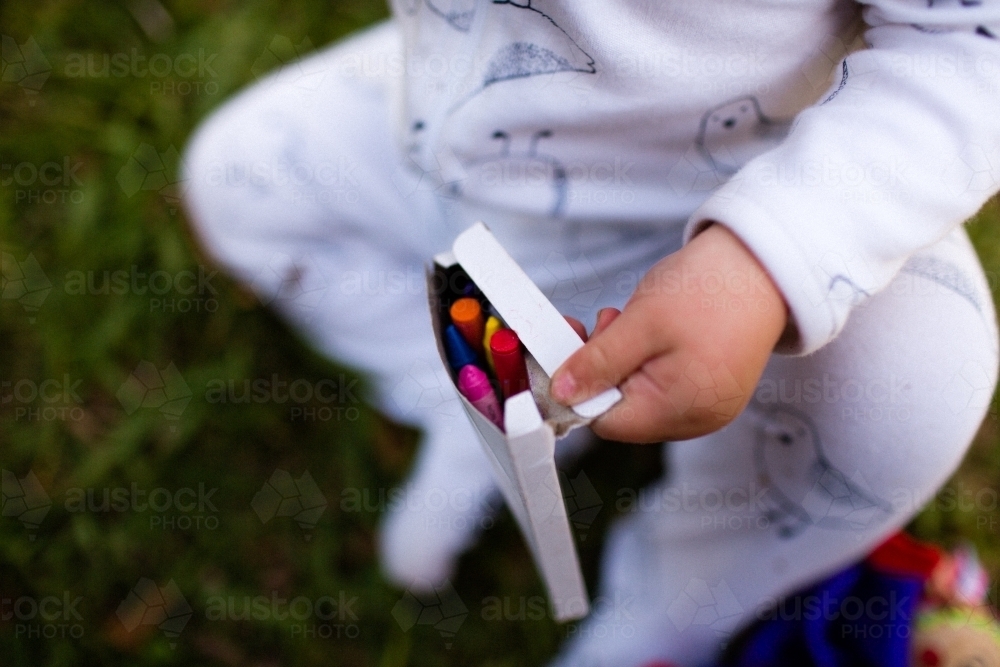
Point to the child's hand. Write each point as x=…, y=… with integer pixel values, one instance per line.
x=689, y=347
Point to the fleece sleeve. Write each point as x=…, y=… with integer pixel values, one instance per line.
x=904, y=147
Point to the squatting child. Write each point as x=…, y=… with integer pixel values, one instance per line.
x=758, y=204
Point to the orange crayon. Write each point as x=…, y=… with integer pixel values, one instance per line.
x=467, y=315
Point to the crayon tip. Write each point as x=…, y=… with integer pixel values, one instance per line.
x=458, y=350
x=467, y=315
x=504, y=341
x=492, y=326
x=473, y=383
x=509, y=361
x=465, y=309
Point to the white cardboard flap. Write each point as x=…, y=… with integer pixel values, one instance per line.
x=505, y=465
x=523, y=307
x=532, y=443
x=524, y=468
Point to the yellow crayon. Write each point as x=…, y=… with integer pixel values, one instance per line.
x=492, y=326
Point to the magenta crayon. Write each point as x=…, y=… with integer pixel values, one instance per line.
x=508, y=359
x=476, y=387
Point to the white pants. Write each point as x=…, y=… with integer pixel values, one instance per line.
x=297, y=187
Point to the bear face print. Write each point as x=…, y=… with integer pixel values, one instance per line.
x=803, y=487
x=731, y=134
x=990, y=32
x=517, y=175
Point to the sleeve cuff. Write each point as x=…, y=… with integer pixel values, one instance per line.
x=812, y=322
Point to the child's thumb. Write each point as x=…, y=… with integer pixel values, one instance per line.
x=604, y=361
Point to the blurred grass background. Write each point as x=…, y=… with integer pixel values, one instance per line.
x=77, y=198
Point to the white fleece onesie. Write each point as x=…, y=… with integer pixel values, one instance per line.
x=594, y=138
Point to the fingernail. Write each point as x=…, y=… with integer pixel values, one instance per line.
x=563, y=386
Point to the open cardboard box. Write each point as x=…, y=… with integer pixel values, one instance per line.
x=523, y=457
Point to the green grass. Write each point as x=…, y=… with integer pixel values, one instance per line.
x=79, y=348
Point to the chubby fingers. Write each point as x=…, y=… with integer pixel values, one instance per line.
x=675, y=396
x=578, y=327
x=605, y=316
x=614, y=351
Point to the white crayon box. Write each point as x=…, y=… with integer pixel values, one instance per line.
x=523, y=453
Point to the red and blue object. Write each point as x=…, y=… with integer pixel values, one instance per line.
x=866, y=619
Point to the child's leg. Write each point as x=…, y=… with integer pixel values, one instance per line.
x=837, y=450
x=297, y=188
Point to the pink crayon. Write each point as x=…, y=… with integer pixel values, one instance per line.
x=475, y=386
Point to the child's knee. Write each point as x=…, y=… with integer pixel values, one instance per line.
x=914, y=382
x=212, y=207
